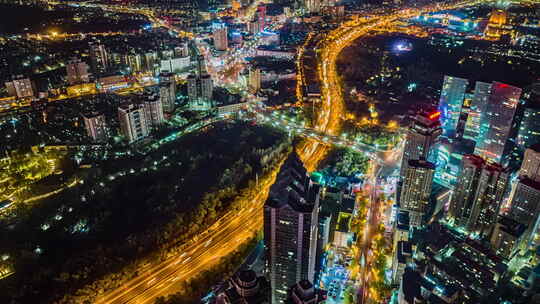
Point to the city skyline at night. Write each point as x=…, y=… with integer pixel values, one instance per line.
x=270, y=151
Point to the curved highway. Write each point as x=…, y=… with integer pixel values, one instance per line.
x=237, y=226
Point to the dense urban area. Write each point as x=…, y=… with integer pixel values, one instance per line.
x=270, y=151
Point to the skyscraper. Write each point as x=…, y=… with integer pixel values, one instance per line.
x=290, y=228
x=254, y=79
x=219, y=33
x=77, y=72
x=182, y=50
x=506, y=236
x=530, y=167
x=450, y=103
x=95, y=125
x=416, y=190
x=133, y=121
x=261, y=16
x=478, y=195
x=99, y=58
x=200, y=87
x=496, y=122
x=21, y=87
x=529, y=127
x=167, y=91
x=421, y=136
x=525, y=208
x=153, y=110
x=478, y=106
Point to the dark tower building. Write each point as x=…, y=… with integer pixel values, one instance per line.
x=290, y=228
x=421, y=136
x=478, y=195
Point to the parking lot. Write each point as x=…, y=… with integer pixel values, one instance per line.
x=336, y=277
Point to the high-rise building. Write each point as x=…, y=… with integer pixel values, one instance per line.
x=77, y=72
x=401, y=229
x=153, y=109
x=478, y=105
x=200, y=88
x=95, y=125
x=290, y=228
x=21, y=87
x=313, y=6
x=261, y=16
x=401, y=258
x=497, y=121
x=167, y=91
x=530, y=167
x=254, y=27
x=416, y=190
x=529, y=127
x=478, y=195
x=304, y=292
x=421, y=136
x=133, y=121
x=506, y=236
x=525, y=207
x=182, y=50
x=450, y=103
x=219, y=33
x=254, y=79
x=244, y=287
x=99, y=58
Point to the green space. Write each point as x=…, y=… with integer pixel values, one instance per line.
x=133, y=210
x=25, y=174
x=344, y=162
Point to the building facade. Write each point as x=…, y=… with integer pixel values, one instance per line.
x=96, y=126
x=290, y=228
x=416, y=190
x=497, y=121
x=478, y=195
x=77, y=72
x=421, y=136
x=219, y=33
x=167, y=91
x=133, y=122
x=451, y=102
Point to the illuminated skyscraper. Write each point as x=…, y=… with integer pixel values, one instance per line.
x=421, y=136
x=254, y=79
x=95, y=125
x=530, y=167
x=153, y=109
x=290, y=228
x=478, y=106
x=21, y=87
x=497, y=121
x=261, y=16
x=525, y=208
x=478, y=195
x=133, y=121
x=99, y=58
x=506, y=236
x=167, y=91
x=219, y=33
x=450, y=103
x=77, y=72
x=529, y=127
x=200, y=87
x=416, y=190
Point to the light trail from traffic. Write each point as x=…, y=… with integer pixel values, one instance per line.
x=224, y=236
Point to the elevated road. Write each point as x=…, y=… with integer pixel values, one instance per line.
x=225, y=235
